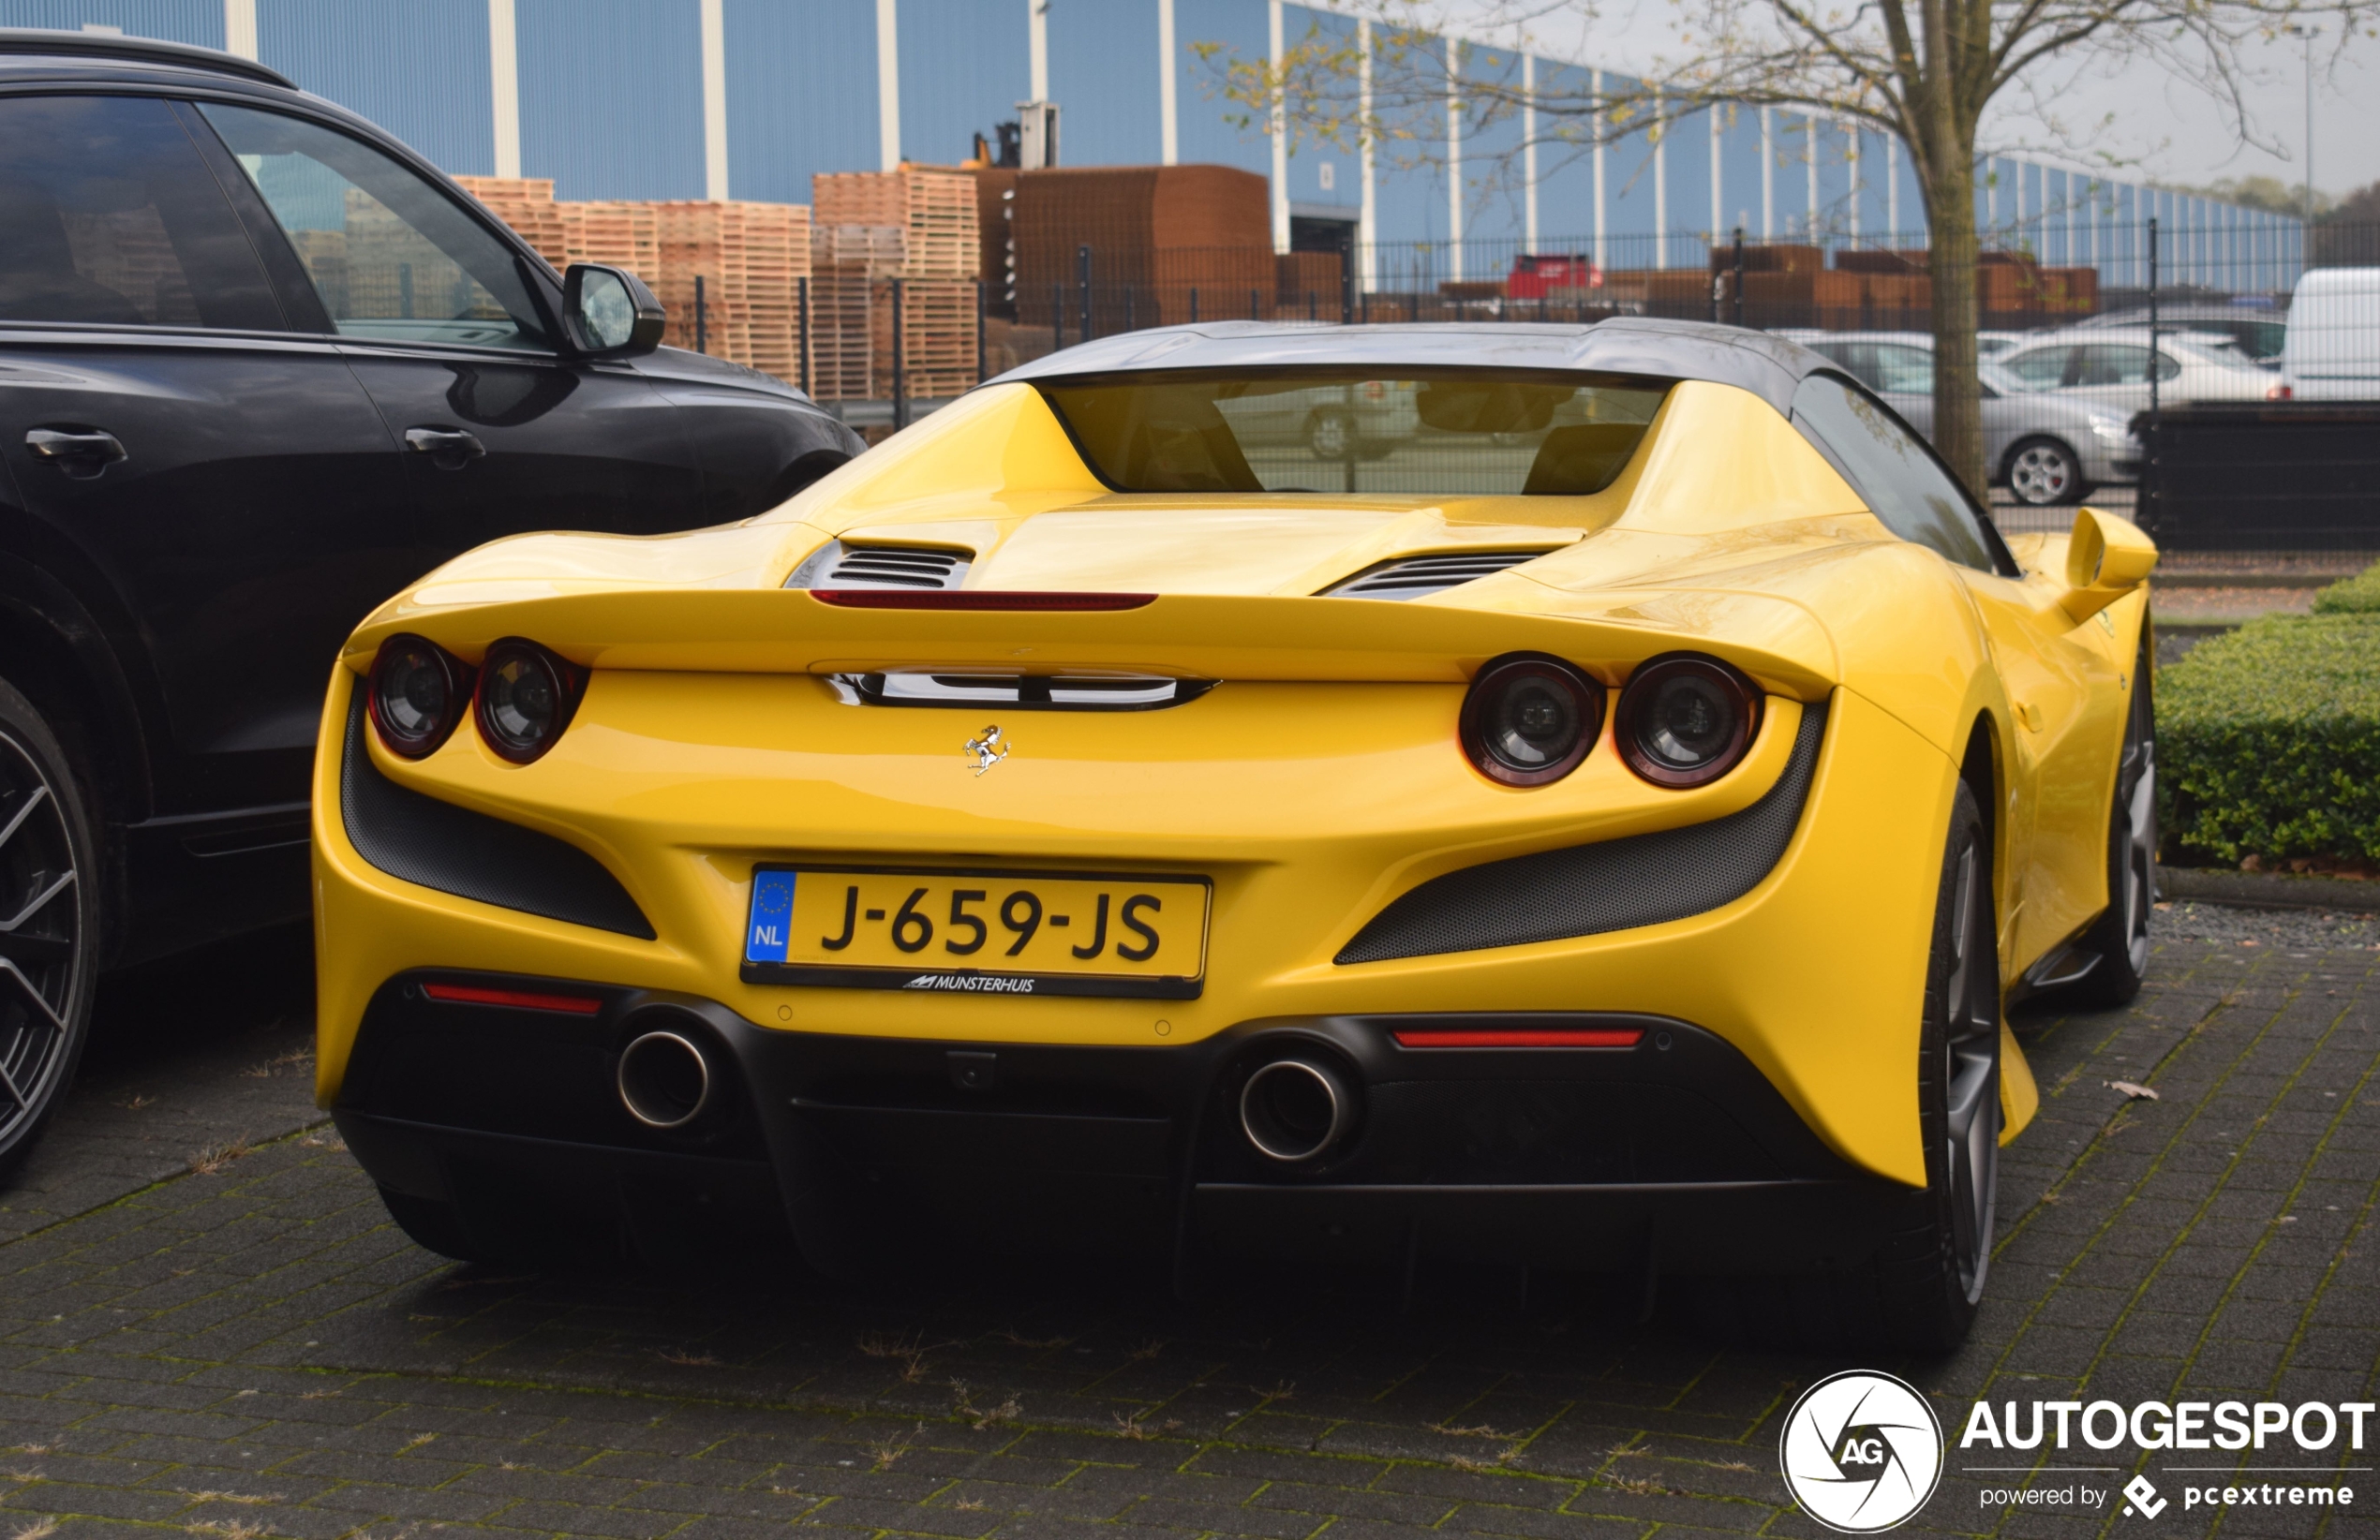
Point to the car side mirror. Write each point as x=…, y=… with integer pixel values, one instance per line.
x=611, y=312
x=2107, y=558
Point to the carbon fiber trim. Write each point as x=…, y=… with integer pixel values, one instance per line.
x=420, y=840
x=1614, y=884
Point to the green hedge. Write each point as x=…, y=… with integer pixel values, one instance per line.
x=2358, y=594
x=2268, y=741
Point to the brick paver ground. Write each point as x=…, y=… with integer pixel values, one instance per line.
x=257, y=1352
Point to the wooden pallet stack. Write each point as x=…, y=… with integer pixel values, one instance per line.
x=625, y=235
x=919, y=224
x=777, y=261
x=526, y=203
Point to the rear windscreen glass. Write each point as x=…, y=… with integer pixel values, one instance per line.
x=1449, y=434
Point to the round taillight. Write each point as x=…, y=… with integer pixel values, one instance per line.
x=417, y=693
x=1687, y=720
x=526, y=698
x=1529, y=721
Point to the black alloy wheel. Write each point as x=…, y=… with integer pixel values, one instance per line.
x=1930, y=1276
x=2118, y=940
x=49, y=926
x=2045, y=473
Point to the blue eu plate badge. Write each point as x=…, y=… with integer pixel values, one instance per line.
x=772, y=916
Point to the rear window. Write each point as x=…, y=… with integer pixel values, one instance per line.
x=1447, y=434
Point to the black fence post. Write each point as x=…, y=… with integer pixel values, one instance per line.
x=1193, y=305
x=981, y=354
x=1346, y=286
x=1057, y=318
x=1082, y=277
x=1252, y=313
x=2145, y=498
x=900, y=380
x=1311, y=313
x=801, y=321
x=702, y=333
x=1739, y=276
x=1131, y=321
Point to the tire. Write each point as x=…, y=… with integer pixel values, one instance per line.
x=1331, y=436
x=2119, y=939
x=49, y=926
x=2045, y=473
x=1928, y=1278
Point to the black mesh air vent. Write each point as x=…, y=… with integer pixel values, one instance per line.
x=420, y=840
x=1410, y=577
x=1614, y=884
x=836, y=564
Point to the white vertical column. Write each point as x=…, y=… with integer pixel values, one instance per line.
x=714, y=100
x=1661, y=186
x=1528, y=150
x=888, y=84
x=1719, y=201
x=1277, y=125
x=1857, y=186
x=1810, y=164
x=1169, y=108
x=1455, y=159
x=1768, y=178
x=504, y=82
x=1892, y=186
x=1037, y=46
x=1599, y=121
x=1367, y=230
x=239, y=27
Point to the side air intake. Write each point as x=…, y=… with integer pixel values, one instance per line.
x=1614, y=884
x=1411, y=577
x=836, y=564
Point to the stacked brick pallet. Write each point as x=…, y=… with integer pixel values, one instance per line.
x=920, y=225
x=1160, y=231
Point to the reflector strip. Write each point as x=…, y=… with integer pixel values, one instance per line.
x=1593, y=1038
x=974, y=598
x=467, y=994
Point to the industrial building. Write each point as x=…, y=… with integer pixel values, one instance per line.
x=659, y=99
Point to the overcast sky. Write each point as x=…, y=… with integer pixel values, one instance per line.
x=2165, y=129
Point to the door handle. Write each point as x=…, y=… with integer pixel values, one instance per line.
x=448, y=449
x=79, y=455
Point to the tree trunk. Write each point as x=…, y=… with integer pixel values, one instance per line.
x=1958, y=406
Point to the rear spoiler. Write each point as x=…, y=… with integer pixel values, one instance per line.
x=1205, y=636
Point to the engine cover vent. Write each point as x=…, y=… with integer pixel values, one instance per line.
x=1411, y=577
x=836, y=564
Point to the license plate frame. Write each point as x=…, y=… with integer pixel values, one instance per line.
x=934, y=976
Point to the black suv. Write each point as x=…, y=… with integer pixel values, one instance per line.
x=261, y=366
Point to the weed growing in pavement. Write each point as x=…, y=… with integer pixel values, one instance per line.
x=214, y=1158
x=416, y=1441
x=225, y=1497
x=889, y=1450
x=227, y=1530
x=963, y=1405
x=40, y=1529
x=1481, y=1431
x=134, y=1104
x=274, y=1066
x=1136, y=1428
x=911, y=1351
x=1016, y=1339
x=692, y=1360
x=1146, y=1351
x=968, y=1504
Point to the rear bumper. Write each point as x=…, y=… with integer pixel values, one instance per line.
x=873, y=1152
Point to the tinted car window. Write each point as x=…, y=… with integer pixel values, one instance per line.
x=2039, y=368
x=393, y=256
x=1903, y=368
x=109, y=217
x=1903, y=484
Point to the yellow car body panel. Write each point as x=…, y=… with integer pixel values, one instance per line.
x=1320, y=780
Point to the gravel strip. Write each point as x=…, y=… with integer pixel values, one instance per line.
x=2290, y=929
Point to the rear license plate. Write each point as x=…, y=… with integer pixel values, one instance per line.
x=985, y=932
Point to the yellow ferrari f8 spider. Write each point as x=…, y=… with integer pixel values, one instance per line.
x=1581, y=796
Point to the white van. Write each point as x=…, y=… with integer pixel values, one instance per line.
x=2332, y=352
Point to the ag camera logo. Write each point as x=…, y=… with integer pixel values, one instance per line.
x=1861, y=1451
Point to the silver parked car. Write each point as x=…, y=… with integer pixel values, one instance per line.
x=2047, y=446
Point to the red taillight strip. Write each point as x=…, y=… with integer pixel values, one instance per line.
x=1590, y=1038
x=472, y=994
x=974, y=598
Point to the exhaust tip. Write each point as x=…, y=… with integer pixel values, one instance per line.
x=664, y=1080
x=1293, y=1110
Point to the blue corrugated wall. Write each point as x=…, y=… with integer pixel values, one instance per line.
x=612, y=97
x=801, y=94
x=198, y=22
x=1103, y=72
x=965, y=64
x=419, y=69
